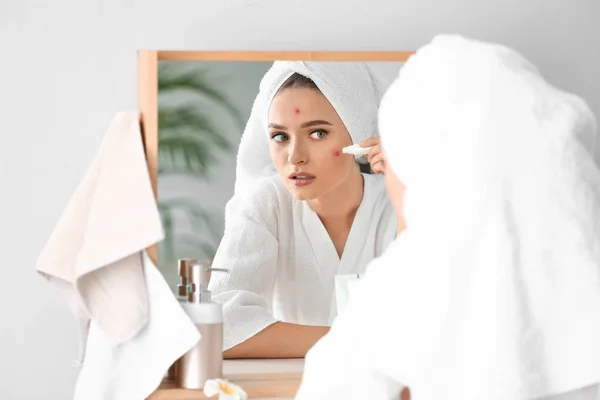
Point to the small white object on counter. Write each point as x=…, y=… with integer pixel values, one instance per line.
x=225, y=389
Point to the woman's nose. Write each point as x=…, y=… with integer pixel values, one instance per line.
x=297, y=154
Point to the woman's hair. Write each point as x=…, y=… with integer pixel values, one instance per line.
x=298, y=81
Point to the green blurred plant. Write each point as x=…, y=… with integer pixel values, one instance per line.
x=188, y=142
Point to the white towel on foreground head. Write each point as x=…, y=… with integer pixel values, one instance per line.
x=351, y=88
x=493, y=290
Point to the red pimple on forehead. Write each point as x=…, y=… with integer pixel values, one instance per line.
x=297, y=110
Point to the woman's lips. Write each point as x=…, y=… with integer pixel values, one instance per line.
x=302, y=178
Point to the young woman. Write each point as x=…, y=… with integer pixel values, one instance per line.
x=302, y=211
x=493, y=289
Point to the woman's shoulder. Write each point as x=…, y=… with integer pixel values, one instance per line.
x=268, y=189
x=264, y=198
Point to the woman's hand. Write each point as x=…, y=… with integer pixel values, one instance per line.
x=375, y=156
x=279, y=340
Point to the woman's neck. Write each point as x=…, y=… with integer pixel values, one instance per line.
x=342, y=202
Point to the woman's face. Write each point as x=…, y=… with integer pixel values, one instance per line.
x=306, y=136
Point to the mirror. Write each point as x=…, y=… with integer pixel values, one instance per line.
x=284, y=209
x=203, y=107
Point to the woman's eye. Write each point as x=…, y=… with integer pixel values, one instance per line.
x=279, y=137
x=318, y=134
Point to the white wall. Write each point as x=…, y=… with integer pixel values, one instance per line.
x=67, y=66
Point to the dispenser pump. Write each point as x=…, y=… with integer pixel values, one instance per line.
x=183, y=269
x=200, y=273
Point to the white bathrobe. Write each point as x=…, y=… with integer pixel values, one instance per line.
x=281, y=259
x=492, y=292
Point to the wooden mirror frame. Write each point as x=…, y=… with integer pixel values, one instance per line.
x=147, y=61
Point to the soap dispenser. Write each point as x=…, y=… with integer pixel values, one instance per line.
x=205, y=360
x=183, y=271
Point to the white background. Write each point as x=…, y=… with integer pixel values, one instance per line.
x=67, y=66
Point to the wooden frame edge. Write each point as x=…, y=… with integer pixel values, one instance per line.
x=175, y=55
x=148, y=115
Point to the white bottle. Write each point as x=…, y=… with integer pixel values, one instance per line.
x=205, y=360
x=343, y=285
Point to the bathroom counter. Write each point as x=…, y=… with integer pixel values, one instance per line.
x=261, y=379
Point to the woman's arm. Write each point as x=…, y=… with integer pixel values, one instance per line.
x=279, y=340
x=250, y=250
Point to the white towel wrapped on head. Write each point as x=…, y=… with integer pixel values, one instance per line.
x=493, y=290
x=501, y=182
